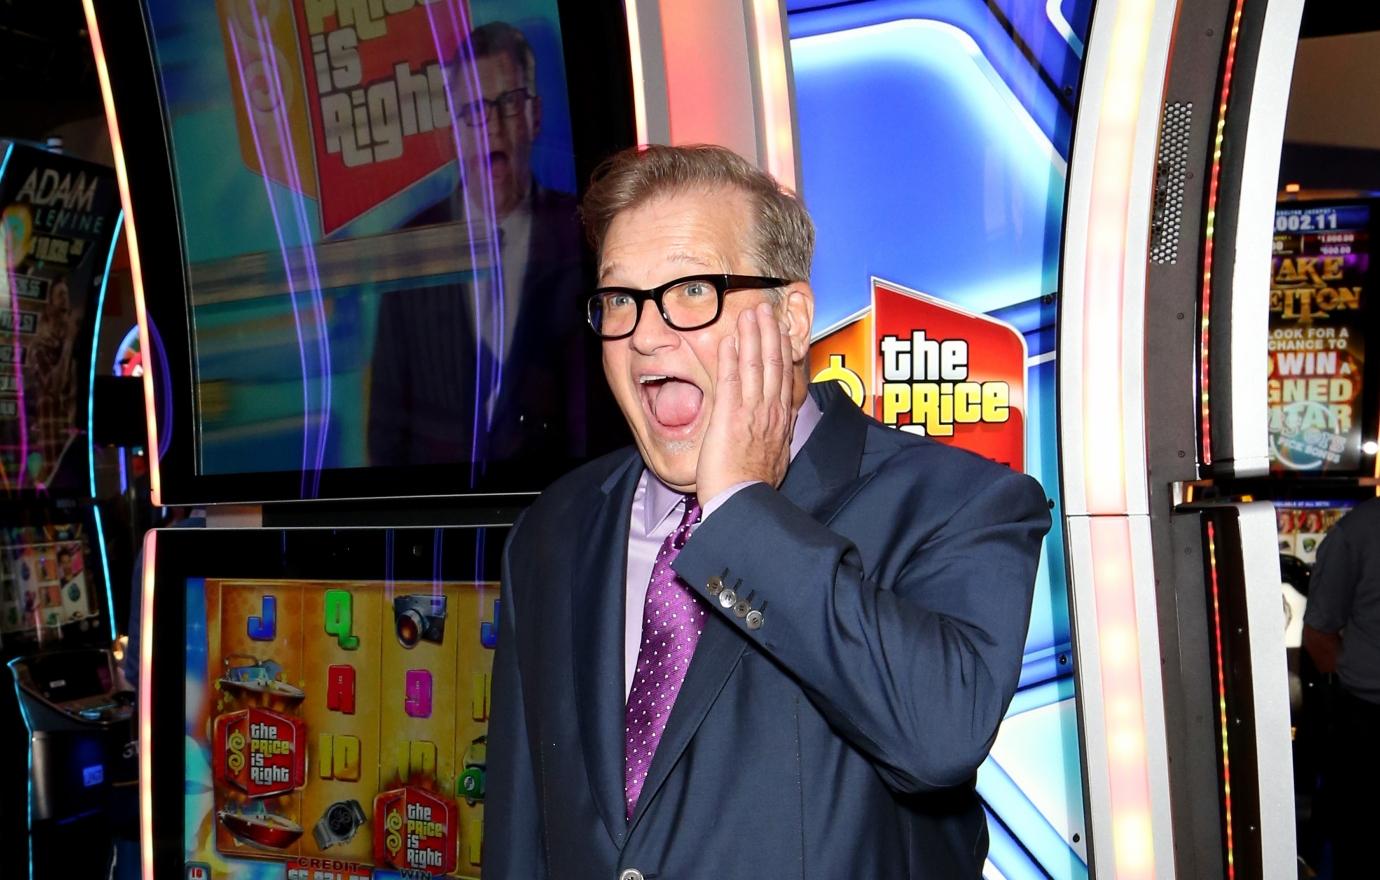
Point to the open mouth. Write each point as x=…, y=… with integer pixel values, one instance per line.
x=673, y=403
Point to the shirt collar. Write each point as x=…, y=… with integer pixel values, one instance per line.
x=662, y=500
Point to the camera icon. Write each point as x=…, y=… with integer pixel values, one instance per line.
x=418, y=618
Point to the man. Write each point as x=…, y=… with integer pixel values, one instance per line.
x=776, y=639
x=482, y=371
x=1341, y=632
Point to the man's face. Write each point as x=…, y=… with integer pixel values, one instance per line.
x=664, y=379
x=506, y=158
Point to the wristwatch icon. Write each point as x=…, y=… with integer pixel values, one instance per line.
x=338, y=824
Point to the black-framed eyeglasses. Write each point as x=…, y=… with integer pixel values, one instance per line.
x=508, y=105
x=688, y=303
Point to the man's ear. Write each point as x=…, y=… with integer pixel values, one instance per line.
x=535, y=109
x=798, y=309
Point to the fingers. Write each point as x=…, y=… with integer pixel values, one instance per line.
x=750, y=355
x=773, y=361
x=728, y=390
x=788, y=377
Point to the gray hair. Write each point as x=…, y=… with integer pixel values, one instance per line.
x=783, y=239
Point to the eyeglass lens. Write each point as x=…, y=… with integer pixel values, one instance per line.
x=689, y=305
x=508, y=105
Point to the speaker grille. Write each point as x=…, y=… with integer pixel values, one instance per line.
x=1171, y=170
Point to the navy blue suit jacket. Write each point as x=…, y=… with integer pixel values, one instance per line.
x=840, y=739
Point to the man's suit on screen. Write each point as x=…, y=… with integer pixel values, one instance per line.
x=894, y=578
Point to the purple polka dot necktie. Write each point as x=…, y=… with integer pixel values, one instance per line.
x=672, y=620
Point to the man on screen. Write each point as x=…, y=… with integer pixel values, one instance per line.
x=481, y=370
x=776, y=638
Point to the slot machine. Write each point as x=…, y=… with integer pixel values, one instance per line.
x=59, y=225
x=357, y=261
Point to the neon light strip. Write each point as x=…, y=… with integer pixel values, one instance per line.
x=1204, y=365
x=1105, y=481
x=132, y=241
x=635, y=58
x=146, y=701
x=264, y=160
x=28, y=726
x=90, y=436
x=778, y=133
x=1105, y=265
x=1123, y=700
x=5, y=288
x=468, y=75
x=1221, y=696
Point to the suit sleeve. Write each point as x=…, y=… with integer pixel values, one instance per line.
x=513, y=847
x=916, y=675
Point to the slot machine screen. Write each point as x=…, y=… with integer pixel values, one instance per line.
x=47, y=591
x=369, y=251
x=1320, y=317
x=328, y=722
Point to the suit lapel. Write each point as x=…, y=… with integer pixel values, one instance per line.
x=821, y=478
x=598, y=589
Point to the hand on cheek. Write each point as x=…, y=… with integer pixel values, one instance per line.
x=750, y=426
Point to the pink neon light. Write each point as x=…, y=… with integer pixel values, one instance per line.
x=136, y=270
x=1123, y=700
x=146, y=704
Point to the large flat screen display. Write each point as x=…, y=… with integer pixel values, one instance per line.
x=310, y=720
x=1319, y=317
x=370, y=280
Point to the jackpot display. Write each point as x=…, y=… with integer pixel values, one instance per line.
x=1320, y=273
x=934, y=139
x=336, y=726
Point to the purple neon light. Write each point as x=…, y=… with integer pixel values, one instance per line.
x=309, y=252
x=282, y=247
x=460, y=28
x=162, y=373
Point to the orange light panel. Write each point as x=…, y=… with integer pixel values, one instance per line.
x=132, y=241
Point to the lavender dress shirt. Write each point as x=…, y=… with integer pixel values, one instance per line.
x=656, y=510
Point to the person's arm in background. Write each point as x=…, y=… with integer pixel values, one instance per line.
x=1331, y=590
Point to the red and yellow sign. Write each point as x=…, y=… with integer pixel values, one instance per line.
x=415, y=829
x=928, y=367
x=345, y=101
x=260, y=752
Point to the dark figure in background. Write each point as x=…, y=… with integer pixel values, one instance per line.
x=489, y=369
x=1341, y=632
